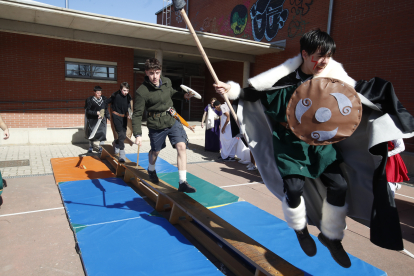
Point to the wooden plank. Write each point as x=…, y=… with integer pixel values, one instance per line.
x=259, y=273
x=120, y=170
x=161, y=187
x=144, y=189
x=163, y=203
x=229, y=261
x=111, y=161
x=255, y=253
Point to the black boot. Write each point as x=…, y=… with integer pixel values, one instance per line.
x=186, y=188
x=153, y=176
x=337, y=251
x=306, y=242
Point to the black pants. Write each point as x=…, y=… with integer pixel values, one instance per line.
x=332, y=178
x=120, y=124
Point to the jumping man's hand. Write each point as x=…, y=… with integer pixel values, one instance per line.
x=222, y=88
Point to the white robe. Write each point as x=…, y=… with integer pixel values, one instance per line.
x=228, y=143
x=242, y=151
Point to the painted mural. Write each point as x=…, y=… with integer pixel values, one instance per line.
x=297, y=25
x=268, y=16
x=238, y=19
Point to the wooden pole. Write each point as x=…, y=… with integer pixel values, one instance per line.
x=138, y=157
x=207, y=61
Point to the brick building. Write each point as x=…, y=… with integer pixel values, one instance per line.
x=41, y=44
x=51, y=58
x=371, y=36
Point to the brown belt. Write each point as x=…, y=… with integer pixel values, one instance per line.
x=117, y=114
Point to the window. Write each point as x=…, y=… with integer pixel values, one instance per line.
x=90, y=71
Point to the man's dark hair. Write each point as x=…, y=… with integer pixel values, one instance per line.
x=317, y=39
x=152, y=64
x=216, y=103
x=124, y=84
x=97, y=88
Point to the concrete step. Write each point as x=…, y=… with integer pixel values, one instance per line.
x=74, y=135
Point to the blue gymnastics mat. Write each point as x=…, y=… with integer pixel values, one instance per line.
x=118, y=233
x=161, y=166
x=275, y=234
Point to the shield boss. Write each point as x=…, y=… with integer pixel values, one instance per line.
x=323, y=111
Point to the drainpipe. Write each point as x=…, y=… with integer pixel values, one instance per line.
x=330, y=17
x=67, y=4
x=187, y=14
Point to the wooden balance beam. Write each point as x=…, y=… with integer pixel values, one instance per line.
x=184, y=209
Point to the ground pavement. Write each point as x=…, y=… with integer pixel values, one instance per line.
x=36, y=238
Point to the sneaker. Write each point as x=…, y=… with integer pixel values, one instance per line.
x=229, y=159
x=153, y=176
x=244, y=162
x=306, y=242
x=254, y=168
x=100, y=150
x=186, y=188
x=397, y=186
x=90, y=149
x=250, y=165
x=337, y=251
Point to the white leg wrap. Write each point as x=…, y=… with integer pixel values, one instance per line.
x=295, y=217
x=333, y=221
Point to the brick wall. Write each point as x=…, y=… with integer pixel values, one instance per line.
x=374, y=40
x=225, y=70
x=33, y=69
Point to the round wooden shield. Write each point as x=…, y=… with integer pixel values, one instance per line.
x=323, y=111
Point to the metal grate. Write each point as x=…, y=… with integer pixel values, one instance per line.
x=14, y=163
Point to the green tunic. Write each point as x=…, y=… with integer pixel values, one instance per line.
x=293, y=156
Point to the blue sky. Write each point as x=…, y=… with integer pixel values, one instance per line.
x=140, y=10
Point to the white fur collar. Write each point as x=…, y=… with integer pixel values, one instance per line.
x=267, y=79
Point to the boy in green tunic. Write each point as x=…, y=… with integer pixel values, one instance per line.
x=155, y=95
x=296, y=159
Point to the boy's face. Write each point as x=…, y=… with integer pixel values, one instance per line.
x=218, y=108
x=314, y=64
x=154, y=76
x=124, y=91
x=98, y=94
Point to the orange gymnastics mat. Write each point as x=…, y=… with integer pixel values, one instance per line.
x=79, y=168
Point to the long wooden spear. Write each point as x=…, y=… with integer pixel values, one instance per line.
x=179, y=5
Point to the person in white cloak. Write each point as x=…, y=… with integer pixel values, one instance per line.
x=228, y=142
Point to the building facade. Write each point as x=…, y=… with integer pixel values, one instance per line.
x=41, y=45
x=372, y=37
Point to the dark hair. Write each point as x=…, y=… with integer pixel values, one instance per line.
x=213, y=99
x=216, y=103
x=317, y=39
x=124, y=84
x=97, y=88
x=152, y=64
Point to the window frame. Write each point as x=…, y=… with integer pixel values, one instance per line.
x=79, y=63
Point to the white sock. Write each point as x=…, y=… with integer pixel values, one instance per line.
x=151, y=167
x=182, y=176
